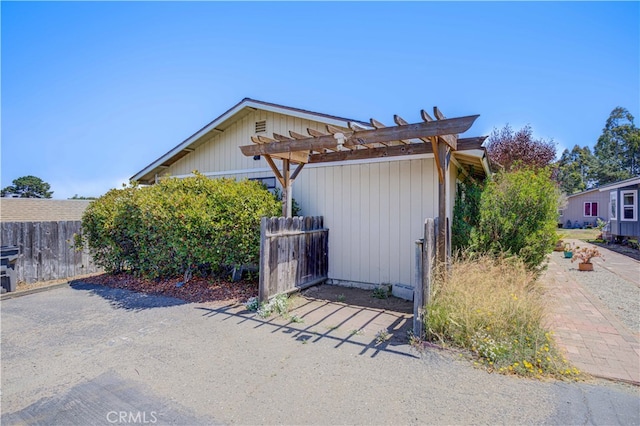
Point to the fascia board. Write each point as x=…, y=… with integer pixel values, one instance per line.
x=628, y=182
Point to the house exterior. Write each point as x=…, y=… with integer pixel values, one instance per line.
x=584, y=209
x=374, y=208
x=623, y=208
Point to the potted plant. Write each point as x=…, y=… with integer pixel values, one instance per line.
x=559, y=246
x=568, y=251
x=584, y=256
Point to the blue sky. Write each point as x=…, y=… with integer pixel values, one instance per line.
x=92, y=92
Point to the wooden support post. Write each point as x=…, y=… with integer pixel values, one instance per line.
x=286, y=191
x=442, y=205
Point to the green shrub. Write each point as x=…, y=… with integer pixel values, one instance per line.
x=466, y=213
x=178, y=226
x=518, y=213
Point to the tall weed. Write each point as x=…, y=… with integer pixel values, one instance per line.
x=495, y=308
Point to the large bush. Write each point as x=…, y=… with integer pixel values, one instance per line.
x=178, y=226
x=518, y=214
x=466, y=213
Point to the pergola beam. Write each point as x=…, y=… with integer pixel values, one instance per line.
x=432, y=140
x=386, y=134
x=391, y=151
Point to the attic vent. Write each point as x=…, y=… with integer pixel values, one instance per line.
x=261, y=126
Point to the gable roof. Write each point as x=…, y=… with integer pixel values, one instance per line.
x=222, y=122
x=472, y=159
x=582, y=192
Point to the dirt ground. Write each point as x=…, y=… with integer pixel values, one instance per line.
x=358, y=297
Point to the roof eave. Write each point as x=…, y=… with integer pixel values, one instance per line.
x=621, y=184
x=147, y=174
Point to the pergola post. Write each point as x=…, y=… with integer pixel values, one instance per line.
x=286, y=190
x=442, y=205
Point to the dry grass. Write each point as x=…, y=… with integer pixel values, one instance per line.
x=494, y=308
x=579, y=234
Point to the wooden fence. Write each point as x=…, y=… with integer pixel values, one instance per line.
x=293, y=254
x=46, y=250
x=426, y=266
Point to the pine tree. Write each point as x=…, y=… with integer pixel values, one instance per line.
x=618, y=148
x=576, y=170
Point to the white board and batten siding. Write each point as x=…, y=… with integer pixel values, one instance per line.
x=221, y=154
x=374, y=210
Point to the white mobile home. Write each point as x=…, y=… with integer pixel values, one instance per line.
x=374, y=208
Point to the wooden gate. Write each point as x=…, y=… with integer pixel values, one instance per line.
x=293, y=254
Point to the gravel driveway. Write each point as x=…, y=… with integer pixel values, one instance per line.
x=621, y=296
x=93, y=355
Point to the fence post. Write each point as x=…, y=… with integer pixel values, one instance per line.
x=264, y=261
x=425, y=263
x=428, y=258
x=418, y=297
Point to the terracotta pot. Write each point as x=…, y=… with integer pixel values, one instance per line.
x=585, y=266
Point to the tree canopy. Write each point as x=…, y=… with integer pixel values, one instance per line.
x=576, y=170
x=615, y=157
x=28, y=187
x=618, y=148
x=509, y=150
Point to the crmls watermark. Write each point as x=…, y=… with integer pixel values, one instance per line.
x=132, y=417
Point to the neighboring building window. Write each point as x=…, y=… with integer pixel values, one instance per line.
x=628, y=207
x=590, y=209
x=561, y=212
x=613, y=205
x=268, y=182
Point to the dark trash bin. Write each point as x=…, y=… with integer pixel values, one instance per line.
x=9, y=259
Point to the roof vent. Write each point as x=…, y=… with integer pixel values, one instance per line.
x=261, y=126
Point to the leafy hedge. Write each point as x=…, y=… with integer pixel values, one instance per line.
x=178, y=226
x=466, y=213
x=518, y=215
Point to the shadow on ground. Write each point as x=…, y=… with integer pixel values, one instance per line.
x=313, y=320
x=106, y=399
x=127, y=299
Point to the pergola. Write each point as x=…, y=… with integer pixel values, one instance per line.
x=437, y=136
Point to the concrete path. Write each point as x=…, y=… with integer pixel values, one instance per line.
x=593, y=339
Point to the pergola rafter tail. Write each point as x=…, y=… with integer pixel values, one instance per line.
x=450, y=126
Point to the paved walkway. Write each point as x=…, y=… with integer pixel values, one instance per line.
x=593, y=339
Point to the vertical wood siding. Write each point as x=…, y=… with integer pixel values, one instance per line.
x=222, y=151
x=375, y=212
x=46, y=250
x=574, y=211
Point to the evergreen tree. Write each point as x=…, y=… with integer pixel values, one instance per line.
x=576, y=170
x=28, y=187
x=618, y=148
